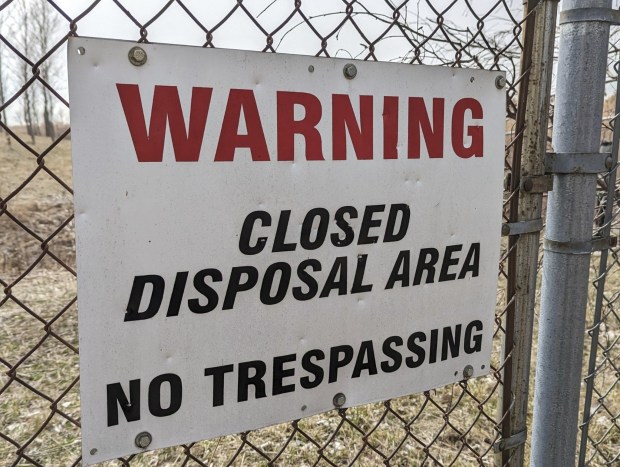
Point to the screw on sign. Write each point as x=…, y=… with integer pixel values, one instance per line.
x=143, y=439
x=500, y=82
x=137, y=56
x=339, y=400
x=350, y=71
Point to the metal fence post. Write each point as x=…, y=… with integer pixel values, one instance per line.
x=584, y=34
x=525, y=211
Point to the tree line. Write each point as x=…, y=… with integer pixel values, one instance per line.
x=29, y=29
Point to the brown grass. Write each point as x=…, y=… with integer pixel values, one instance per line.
x=38, y=326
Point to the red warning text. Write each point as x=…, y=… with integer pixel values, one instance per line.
x=434, y=128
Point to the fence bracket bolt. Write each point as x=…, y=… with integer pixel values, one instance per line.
x=350, y=71
x=339, y=400
x=537, y=184
x=468, y=371
x=500, y=82
x=137, y=56
x=143, y=439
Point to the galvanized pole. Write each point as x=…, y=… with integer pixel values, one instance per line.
x=584, y=35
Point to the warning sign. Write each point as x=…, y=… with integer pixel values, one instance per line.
x=262, y=237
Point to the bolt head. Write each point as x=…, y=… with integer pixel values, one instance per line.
x=468, y=371
x=143, y=439
x=349, y=71
x=609, y=162
x=339, y=400
x=137, y=56
x=500, y=82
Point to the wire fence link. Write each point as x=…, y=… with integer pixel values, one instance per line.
x=459, y=424
x=600, y=430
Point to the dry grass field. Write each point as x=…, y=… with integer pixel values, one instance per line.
x=38, y=329
x=39, y=389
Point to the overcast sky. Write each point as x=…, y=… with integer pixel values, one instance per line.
x=175, y=26
x=107, y=20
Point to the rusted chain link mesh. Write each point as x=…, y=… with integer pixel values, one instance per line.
x=39, y=385
x=600, y=425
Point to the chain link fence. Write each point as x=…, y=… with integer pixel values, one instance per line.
x=600, y=431
x=462, y=424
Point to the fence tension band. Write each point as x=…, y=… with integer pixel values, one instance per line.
x=522, y=227
x=511, y=442
x=581, y=15
x=538, y=184
x=580, y=248
x=578, y=162
x=531, y=184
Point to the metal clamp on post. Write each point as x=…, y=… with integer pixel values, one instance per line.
x=511, y=442
x=538, y=184
x=522, y=227
x=578, y=162
x=604, y=243
x=581, y=15
x=580, y=248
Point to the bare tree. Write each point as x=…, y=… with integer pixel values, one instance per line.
x=3, y=118
x=46, y=23
x=25, y=41
x=34, y=27
x=436, y=42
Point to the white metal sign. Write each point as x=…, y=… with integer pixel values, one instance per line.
x=261, y=237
